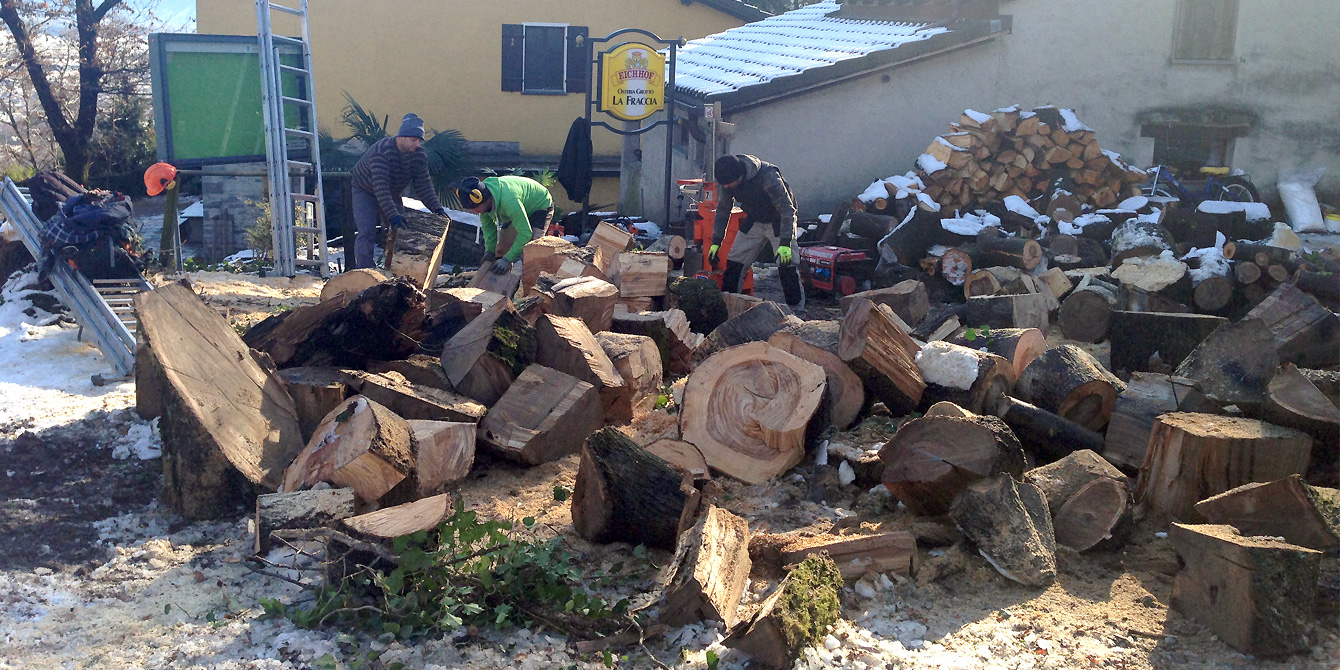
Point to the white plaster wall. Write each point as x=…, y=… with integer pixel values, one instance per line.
x=1107, y=60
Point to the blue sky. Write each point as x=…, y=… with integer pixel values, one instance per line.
x=177, y=12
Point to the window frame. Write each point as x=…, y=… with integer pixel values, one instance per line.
x=563, y=57
x=1178, y=39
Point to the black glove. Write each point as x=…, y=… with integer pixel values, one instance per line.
x=487, y=258
x=440, y=211
x=502, y=266
x=397, y=221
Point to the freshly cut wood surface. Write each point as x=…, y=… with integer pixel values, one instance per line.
x=348, y=284
x=1089, y=517
x=361, y=445
x=315, y=391
x=931, y=459
x=638, y=361
x=670, y=330
x=1148, y=395
x=1018, y=345
x=392, y=522
x=443, y=453
x=746, y=409
x=418, y=250
x=1086, y=314
x=543, y=416
x=503, y=284
x=682, y=455
x=891, y=552
x=224, y=414
x=627, y=494
x=483, y=359
x=643, y=274
x=1295, y=402
x=882, y=354
x=587, y=298
x=1060, y=481
x=567, y=345
x=1194, y=456
x=817, y=342
x=907, y=299
x=706, y=578
x=543, y=254
x=1286, y=508
x=414, y=401
x=420, y=369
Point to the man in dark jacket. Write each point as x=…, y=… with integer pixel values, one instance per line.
x=381, y=175
x=769, y=216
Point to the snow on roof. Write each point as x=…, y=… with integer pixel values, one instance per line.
x=785, y=45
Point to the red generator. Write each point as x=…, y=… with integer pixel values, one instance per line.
x=834, y=270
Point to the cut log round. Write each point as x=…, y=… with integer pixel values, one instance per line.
x=545, y=415
x=1015, y=252
x=315, y=391
x=1070, y=382
x=980, y=282
x=955, y=265
x=1060, y=481
x=946, y=408
x=1138, y=336
x=817, y=342
x=349, y=284
x=587, y=298
x=1009, y=311
x=1194, y=456
x=1086, y=314
x=878, y=350
x=1137, y=237
x=1295, y=402
x=419, y=246
x=1213, y=294
x=1247, y=272
x=931, y=459
x=682, y=455
x=1090, y=515
x=627, y=494
x=746, y=409
x=1017, y=345
x=443, y=454
x=970, y=378
x=361, y=445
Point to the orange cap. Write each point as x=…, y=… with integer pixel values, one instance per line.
x=158, y=176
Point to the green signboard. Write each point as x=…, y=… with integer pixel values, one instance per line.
x=207, y=98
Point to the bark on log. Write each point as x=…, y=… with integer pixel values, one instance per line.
x=1070, y=382
x=419, y=245
x=1060, y=481
x=884, y=356
x=1015, y=252
x=1294, y=402
x=1056, y=280
x=567, y=345
x=483, y=359
x=462, y=303
x=909, y=240
x=1235, y=364
x=1306, y=333
x=1045, y=433
x=1012, y=527
x=1194, y=456
x=1286, y=508
x=1147, y=396
x=361, y=445
x=1138, y=336
x=700, y=300
x=1213, y=294
x=1086, y=314
x=670, y=330
x=1017, y=345
x=1139, y=238
x=967, y=377
x=413, y=401
x=755, y=324
x=706, y=578
x=1009, y=311
x=797, y=615
x=228, y=423
x=931, y=459
x=894, y=552
x=638, y=362
x=283, y=334
x=315, y=391
x=587, y=298
x=545, y=415
x=626, y=494
x=817, y=342
x=300, y=509
x=1257, y=594
x=747, y=409
x=907, y=299
x=1247, y=272
x=1325, y=287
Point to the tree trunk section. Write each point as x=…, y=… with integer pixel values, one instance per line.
x=1092, y=515
x=1306, y=333
x=755, y=324
x=1017, y=345
x=1011, y=526
x=345, y=286
x=682, y=456
x=967, y=377
x=1015, y=252
x=1147, y=396
x=884, y=356
x=907, y=299
x=413, y=401
x=315, y=391
x=1138, y=336
x=1045, y=433
x=443, y=454
x=747, y=408
x=931, y=459
x=483, y=359
x=706, y=578
x=419, y=245
x=626, y=494
x=797, y=615
x=1086, y=315
x=669, y=330
x=1225, y=370
x=300, y=509
x=1009, y=311
x=361, y=445
x=587, y=298
x=638, y=362
x=642, y=274
x=893, y=552
x=567, y=345
x=545, y=415
x=1286, y=508
x=701, y=301
x=817, y=342
x=1068, y=381
x=383, y=323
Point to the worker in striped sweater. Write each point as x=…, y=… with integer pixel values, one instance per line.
x=380, y=177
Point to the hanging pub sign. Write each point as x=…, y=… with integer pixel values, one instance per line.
x=632, y=78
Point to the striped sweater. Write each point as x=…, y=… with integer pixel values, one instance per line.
x=385, y=171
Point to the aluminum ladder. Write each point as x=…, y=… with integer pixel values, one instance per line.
x=297, y=211
x=104, y=307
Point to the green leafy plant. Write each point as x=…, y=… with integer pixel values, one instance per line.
x=983, y=332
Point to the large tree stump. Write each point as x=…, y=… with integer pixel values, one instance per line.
x=627, y=494
x=587, y=298
x=1194, y=456
x=1070, y=382
x=798, y=614
x=1045, y=433
x=1306, y=333
x=545, y=415
x=1017, y=345
x=1008, y=311
x=1255, y=593
x=755, y=324
x=361, y=445
x=967, y=377
x=565, y=344
x=418, y=250
x=1235, y=364
x=483, y=359
x=931, y=459
x=707, y=576
x=1138, y=336
x=1286, y=508
x=300, y=509
x=414, y=401
x=907, y=299
x=882, y=354
x=700, y=300
x=315, y=391
x=638, y=362
x=1147, y=396
x=817, y=342
x=746, y=409
x=1011, y=526
x=228, y=424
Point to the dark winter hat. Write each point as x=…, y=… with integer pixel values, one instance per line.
x=728, y=169
x=411, y=126
x=472, y=193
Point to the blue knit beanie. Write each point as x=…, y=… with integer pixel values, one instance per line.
x=411, y=126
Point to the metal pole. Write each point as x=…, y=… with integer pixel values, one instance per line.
x=670, y=128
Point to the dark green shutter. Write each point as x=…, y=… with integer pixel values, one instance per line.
x=579, y=59
x=513, y=40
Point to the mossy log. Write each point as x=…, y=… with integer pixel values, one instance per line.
x=798, y=614
x=700, y=300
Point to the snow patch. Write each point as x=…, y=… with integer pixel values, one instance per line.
x=971, y=224
x=141, y=441
x=977, y=116
x=948, y=365
x=1255, y=211
x=930, y=164
x=1133, y=203
x=1077, y=226
x=1071, y=123
x=1021, y=207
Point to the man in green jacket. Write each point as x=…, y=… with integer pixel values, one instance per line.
x=512, y=210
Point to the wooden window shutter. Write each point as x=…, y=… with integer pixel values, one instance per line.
x=1206, y=30
x=579, y=59
x=513, y=42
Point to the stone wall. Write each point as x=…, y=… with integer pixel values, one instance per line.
x=232, y=203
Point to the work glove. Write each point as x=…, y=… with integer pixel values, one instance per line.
x=712, y=254
x=487, y=258
x=783, y=256
x=440, y=211
x=502, y=266
x=397, y=221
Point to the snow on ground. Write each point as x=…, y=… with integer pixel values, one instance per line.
x=45, y=370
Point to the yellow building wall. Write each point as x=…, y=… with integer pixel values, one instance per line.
x=443, y=59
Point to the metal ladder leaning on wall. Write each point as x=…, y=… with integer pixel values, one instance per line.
x=289, y=200
x=104, y=307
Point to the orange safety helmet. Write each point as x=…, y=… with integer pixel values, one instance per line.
x=158, y=176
